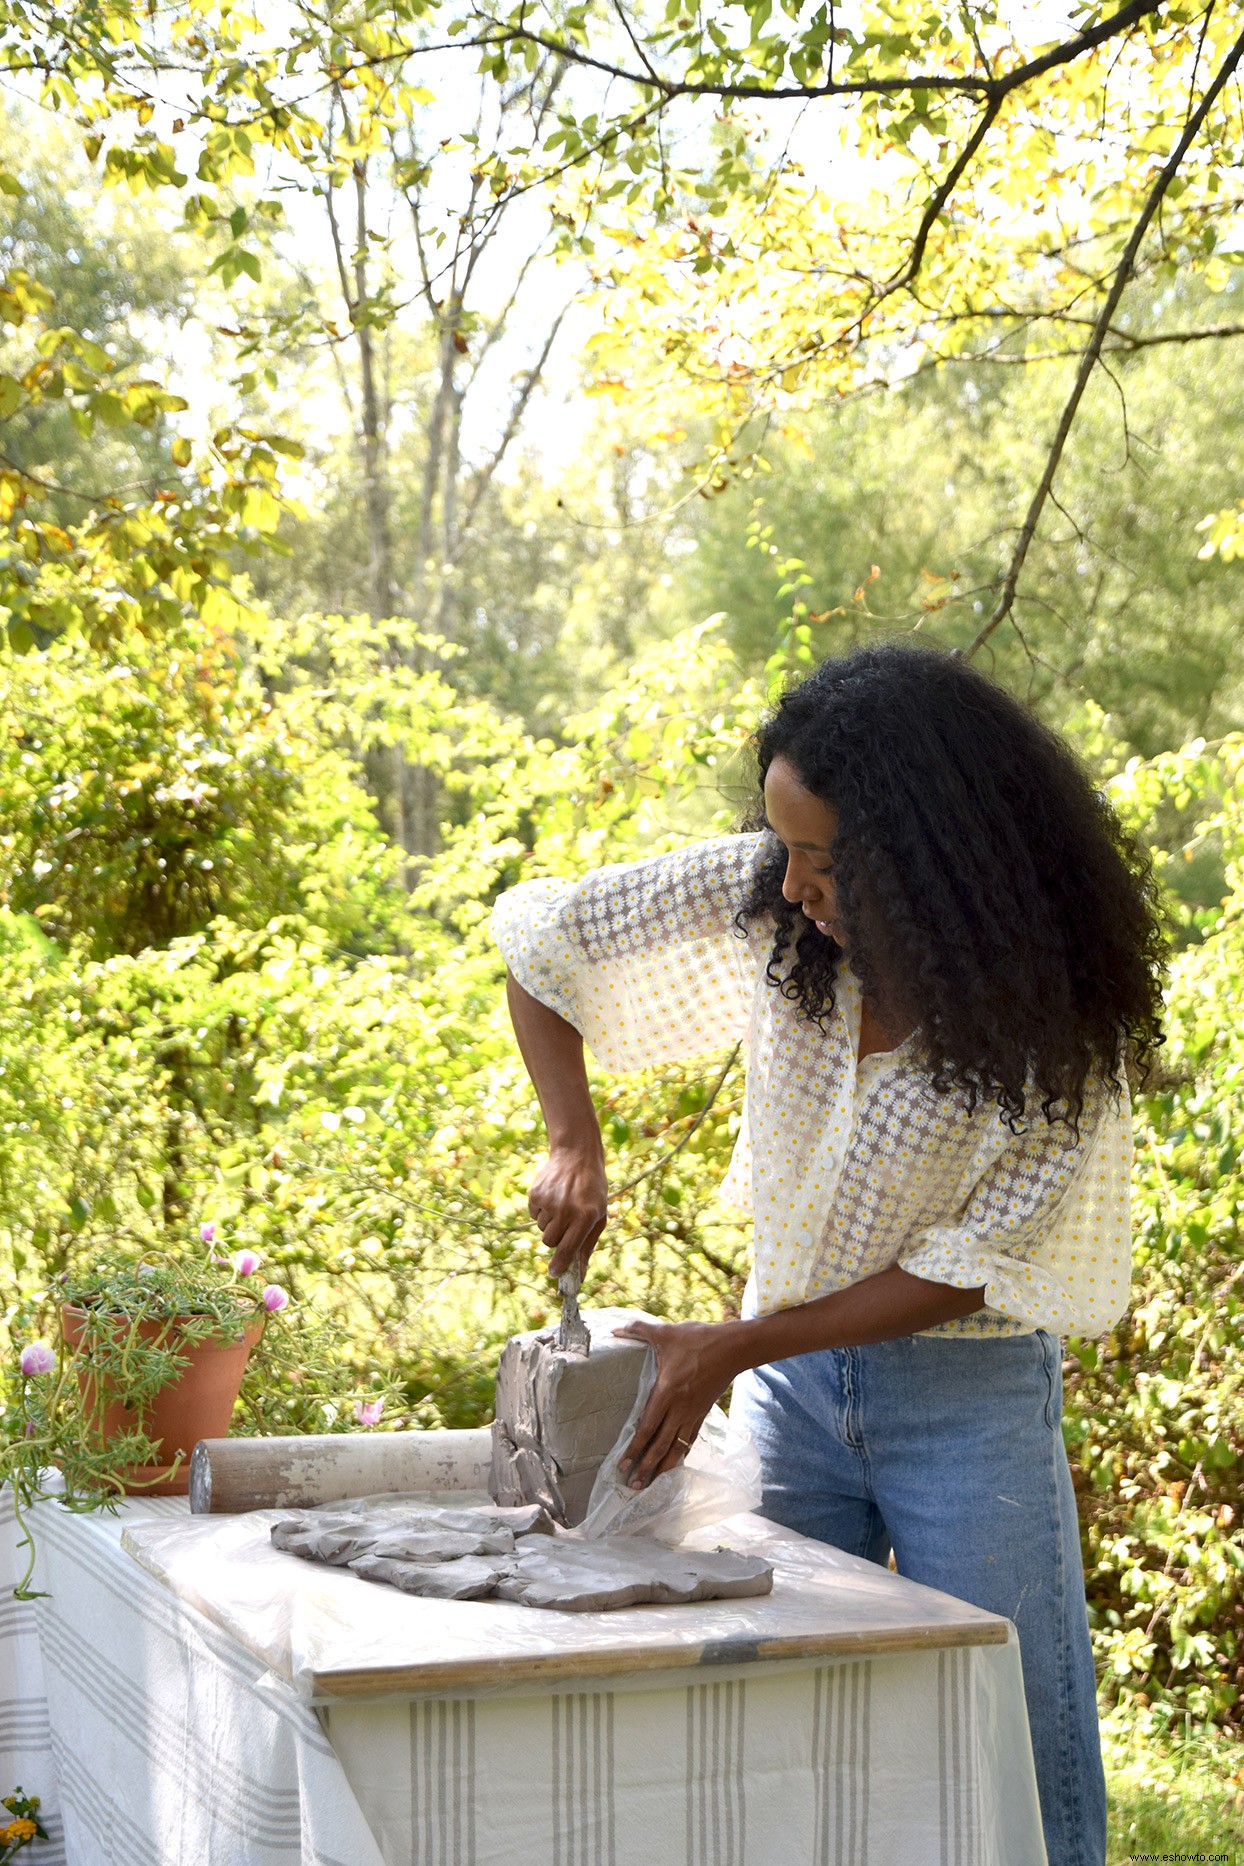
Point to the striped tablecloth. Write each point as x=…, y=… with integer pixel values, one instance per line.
x=152, y=1737
x=156, y=1739
x=894, y=1761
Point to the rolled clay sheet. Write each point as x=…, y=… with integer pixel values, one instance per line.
x=513, y=1555
x=232, y=1474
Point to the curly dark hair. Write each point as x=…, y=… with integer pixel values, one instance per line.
x=990, y=895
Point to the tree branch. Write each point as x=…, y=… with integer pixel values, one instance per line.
x=483, y=478
x=637, y=45
x=1124, y=343
x=701, y=1113
x=933, y=207
x=499, y=323
x=989, y=87
x=1088, y=362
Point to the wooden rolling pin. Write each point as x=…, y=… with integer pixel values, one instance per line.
x=233, y=1474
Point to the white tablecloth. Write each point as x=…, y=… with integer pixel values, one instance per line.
x=159, y=1740
x=152, y=1738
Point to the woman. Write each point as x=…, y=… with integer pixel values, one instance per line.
x=943, y=953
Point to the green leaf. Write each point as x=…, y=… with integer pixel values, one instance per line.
x=110, y=409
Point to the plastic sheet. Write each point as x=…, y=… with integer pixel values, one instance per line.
x=719, y=1477
x=334, y=1635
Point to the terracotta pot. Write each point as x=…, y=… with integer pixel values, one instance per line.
x=197, y=1404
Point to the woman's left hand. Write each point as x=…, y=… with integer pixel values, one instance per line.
x=696, y=1361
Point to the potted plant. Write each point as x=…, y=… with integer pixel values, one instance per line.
x=159, y=1348
x=150, y=1358
x=107, y=1404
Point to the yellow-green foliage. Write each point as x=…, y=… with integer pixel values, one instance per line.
x=334, y=1084
x=1171, y=1791
x=358, y=1116
x=1156, y=1425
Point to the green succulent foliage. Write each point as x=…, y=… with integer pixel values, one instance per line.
x=160, y=1290
x=123, y=1328
x=126, y=1328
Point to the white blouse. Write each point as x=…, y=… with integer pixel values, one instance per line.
x=847, y=1167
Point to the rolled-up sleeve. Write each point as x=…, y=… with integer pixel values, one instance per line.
x=643, y=958
x=1046, y=1230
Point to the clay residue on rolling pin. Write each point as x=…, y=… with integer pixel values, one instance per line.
x=558, y=1415
x=232, y=1474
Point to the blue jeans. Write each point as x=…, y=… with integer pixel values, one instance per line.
x=950, y=1452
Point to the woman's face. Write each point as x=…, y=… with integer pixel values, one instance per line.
x=807, y=827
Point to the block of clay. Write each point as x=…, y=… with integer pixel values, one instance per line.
x=626, y=1571
x=558, y=1415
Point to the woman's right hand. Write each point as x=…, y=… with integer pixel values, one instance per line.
x=568, y=1200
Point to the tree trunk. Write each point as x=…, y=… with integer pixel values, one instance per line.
x=435, y=547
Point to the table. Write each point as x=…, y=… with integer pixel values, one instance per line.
x=364, y=1728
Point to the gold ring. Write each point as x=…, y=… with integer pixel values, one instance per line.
x=685, y=1442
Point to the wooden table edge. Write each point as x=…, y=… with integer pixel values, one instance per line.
x=540, y=1668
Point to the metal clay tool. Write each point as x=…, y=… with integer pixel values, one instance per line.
x=572, y=1335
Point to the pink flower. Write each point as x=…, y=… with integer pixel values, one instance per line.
x=207, y=1234
x=274, y=1297
x=37, y=1358
x=246, y=1262
x=368, y=1412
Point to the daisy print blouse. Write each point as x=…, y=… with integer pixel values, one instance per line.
x=847, y=1167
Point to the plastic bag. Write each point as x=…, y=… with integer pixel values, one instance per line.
x=719, y=1477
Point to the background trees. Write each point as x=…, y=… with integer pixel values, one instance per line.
x=1118, y=608
x=795, y=204
x=389, y=392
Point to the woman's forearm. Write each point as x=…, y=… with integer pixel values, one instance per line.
x=569, y=1195
x=879, y=1308
x=696, y=1361
x=568, y=1202
x=552, y=1049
